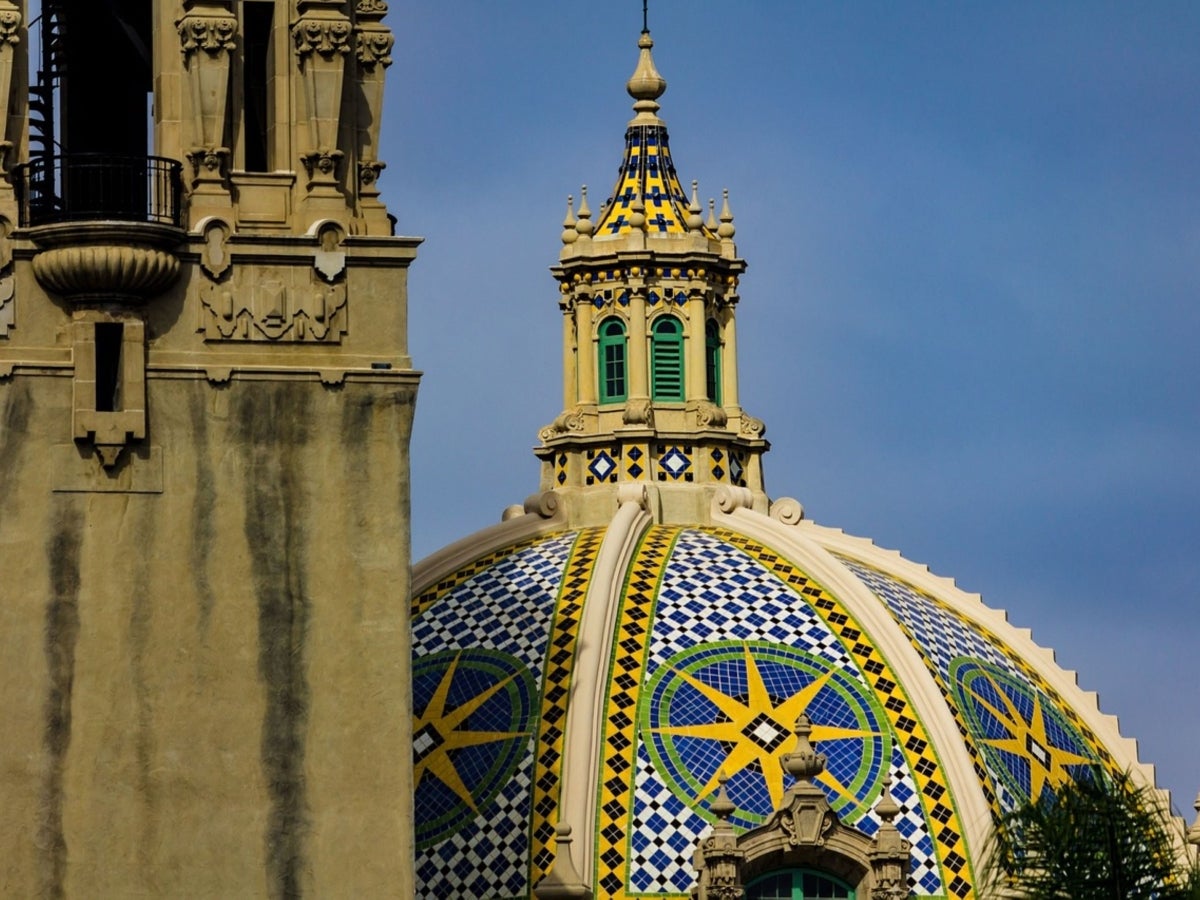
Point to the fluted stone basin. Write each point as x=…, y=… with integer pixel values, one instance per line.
x=106, y=261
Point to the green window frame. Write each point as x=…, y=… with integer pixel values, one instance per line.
x=666, y=359
x=613, y=353
x=798, y=884
x=712, y=360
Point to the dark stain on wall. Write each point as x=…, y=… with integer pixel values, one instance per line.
x=203, y=508
x=140, y=633
x=271, y=422
x=14, y=420
x=61, y=634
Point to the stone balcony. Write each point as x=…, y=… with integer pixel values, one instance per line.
x=105, y=225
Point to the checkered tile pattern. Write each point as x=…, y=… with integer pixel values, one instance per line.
x=942, y=636
x=504, y=601
x=560, y=665
x=711, y=591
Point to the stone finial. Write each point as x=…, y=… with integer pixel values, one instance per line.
x=1193, y=833
x=563, y=881
x=637, y=216
x=890, y=852
x=711, y=223
x=645, y=85
x=804, y=763
x=726, y=229
x=887, y=807
x=694, y=220
x=585, y=226
x=569, y=234
x=722, y=807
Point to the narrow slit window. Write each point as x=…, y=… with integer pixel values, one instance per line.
x=109, y=339
x=666, y=359
x=612, y=358
x=256, y=27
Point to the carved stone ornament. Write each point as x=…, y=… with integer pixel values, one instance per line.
x=329, y=260
x=8, y=303
x=322, y=162
x=752, y=427
x=212, y=34
x=208, y=159
x=709, y=415
x=638, y=412
x=8, y=280
x=375, y=46
x=372, y=6
x=368, y=172
x=215, y=259
x=279, y=306
x=569, y=420
x=10, y=26
x=322, y=36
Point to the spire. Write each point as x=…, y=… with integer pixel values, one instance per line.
x=647, y=173
x=570, y=235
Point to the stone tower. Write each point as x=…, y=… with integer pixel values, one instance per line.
x=205, y=404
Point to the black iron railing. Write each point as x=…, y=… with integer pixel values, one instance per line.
x=89, y=186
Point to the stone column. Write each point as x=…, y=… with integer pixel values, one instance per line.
x=729, y=377
x=694, y=362
x=586, y=357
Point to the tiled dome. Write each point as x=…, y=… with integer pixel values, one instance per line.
x=604, y=676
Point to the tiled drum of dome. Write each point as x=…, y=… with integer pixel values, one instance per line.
x=734, y=656
x=1024, y=738
x=478, y=651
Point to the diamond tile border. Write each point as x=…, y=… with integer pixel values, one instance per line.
x=556, y=682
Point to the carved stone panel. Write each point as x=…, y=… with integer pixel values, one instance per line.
x=277, y=305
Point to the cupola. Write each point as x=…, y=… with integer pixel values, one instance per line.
x=649, y=294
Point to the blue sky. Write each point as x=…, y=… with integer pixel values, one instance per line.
x=970, y=319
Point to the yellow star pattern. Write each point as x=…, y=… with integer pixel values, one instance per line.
x=446, y=724
x=1029, y=740
x=737, y=729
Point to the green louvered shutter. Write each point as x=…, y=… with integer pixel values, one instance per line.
x=666, y=359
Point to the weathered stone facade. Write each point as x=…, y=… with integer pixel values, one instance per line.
x=205, y=404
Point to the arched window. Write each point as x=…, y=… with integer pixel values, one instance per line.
x=612, y=361
x=666, y=359
x=712, y=360
x=799, y=884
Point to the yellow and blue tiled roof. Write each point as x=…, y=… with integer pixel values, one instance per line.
x=648, y=173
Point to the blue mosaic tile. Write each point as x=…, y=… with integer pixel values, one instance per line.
x=507, y=608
